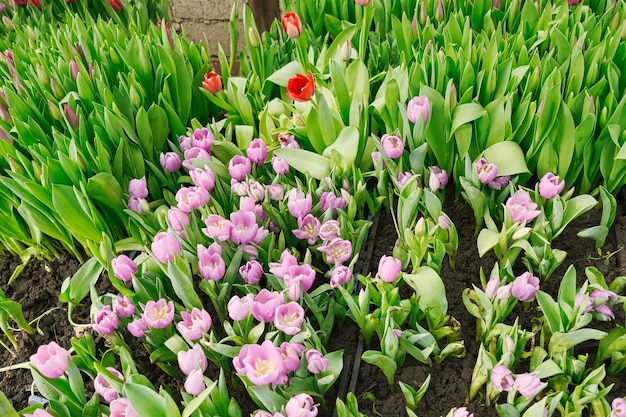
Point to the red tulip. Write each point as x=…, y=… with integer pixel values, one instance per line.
x=212, y=82
x=292, y=24
x=301, y=88
x=116, y=5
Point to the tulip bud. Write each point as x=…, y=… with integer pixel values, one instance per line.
x=298, y=120
x=346, y=50
x=54, y=111
x=414, y=31
x=4, y=135
x=540, y=108
x=615, y=22
x=253, y=37
x=74, y=69
x=8, y=23
x=453, y=100
x=15, y=167
x=80, y=50
x=423, y=14
x=135, y=98
x=624, y=30
x=420, y=227
x=592, y=105
x=42, y=77
x=56, y=89
x=72, y=119
x=534, y=79
x=493, y=80
x=439, y=11
x=603, y=117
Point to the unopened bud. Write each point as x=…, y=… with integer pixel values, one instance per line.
x=346, y=50
x=36, y=169
x=439, y=11
x=615, y=22
x=74, y=69
x=54, y=111
x=423, y=13
x=521, y=233
x=80, y=50
x=540, y=108
x=253, y=37
x=41, y=75
x=135, y=98
x=420, y=227
x=453, y=96
x=624, y=30
x=4, y=135
x=592, y=75
x=8, y=23
x=298, y=120
x=414, y=31
x=15, y=167
x=534, y=79
x=72, y=119
x=56, y=89
x=592, y=105
x=603, y=116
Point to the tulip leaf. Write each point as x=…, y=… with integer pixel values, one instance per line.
x=311, y=163
x=264, y=397
x=385, y=363
x=508, y=156
x=430, y=290
x=194, y=404
x=179, y=273
x=145, y=401
x=346, y=146
x=487, y=240
x=76, y=287
x=465, y=113
x=282, y=75
x=71, y=208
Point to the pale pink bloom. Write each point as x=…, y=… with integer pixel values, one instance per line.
x=239, y=188
x=195, y=324
x=202, y=138
x=437, y=179
x=257, y=151
x=124, y=268
x=605, y=312
x=618, y=407
x=462, y=412
x=550, y=185
x=165, y=247
x=137, y=327
x=392, y=145
x=502, y=378
x=210, y=262
x=192, y=154
x=281, y=167
x=316, y=362
x=263, y=413
x=486, y=172
x=158, y=314
x=444, y=222
x=362, y=2
x=288, y=140
x=256, y=190
x=288, y=318
x=337, y=251
x=525, y=286
x=376, y=158
x=50, y=360
x=138, y=188
x=105, y=321
x=192, y=359
x=329, y=201
x=238, y=167
x=170, y=161
x=262, y=364
x=103, y=388
x=238, y=308
x=286, y=261
x=308, y=228
x=403, y=178
x=340, y=275
x=244, y=227
x=492, y=287
x=138, y=205
x=291, y=355
x=418, y=107
x=194, y=383
x=529, y=385
x=298, y=203
x=301, y=405
x=600, y=296
x=123, y=306
x=251, y=272
x=521, y=207
x=578, y=300
x=499, y=183
x=251, y=251
x=389, y=268
x=277, y=192
x=122, y=407
x=330, y=229
x=503, y=292
x=299, y=278
x=203, y=178
x=265, y=304
x=40, y=412
x=217, y=227
x=190, y=198
x=177, y=220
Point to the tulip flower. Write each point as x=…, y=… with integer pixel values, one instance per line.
x=329, y=230
x=165, y=246
x=618, y=407
x=137, y=327
x=308, y=228
x=286, y=261
x=40, y=412
x=529, y=385
x=262, y=364
x=195, y=324
x=502, y=378
x=138, y=188
x=212, y=82
x=158, y=314
x=105, y=321
x=292, y=24
x=462, y=412
x=288, y=318
x=418, y=107
x=521, y=207
x=486, y=172
x=177, y=219
x=104, y=389
x=287, y=140
x=217, y=227
x=251, y=272
x=124, y=268
x=244, y=227
x=392, y=145
x=257, y=151
x=403, y=178
x=195, y=153
x=238, y=167
x=123, y=306
x=316, y=362
x=265, y=304
x=210, y=262
x=438, y=178
x=299, y=278
x=362, y=2
x=550, y=185
x=170, y=161
x=280, y=166
x=329, y=201
x=389, y=268
x=301, y=87
x=192, y=359
x=191, y=198
x=301, y=405
x=340, y=275
x=238, y=308
x=277, y=192
x=50, y=360
x=337, y=251
x=291, y=351
x=299, y=204
x=525, y=286
x=499, y=182
x=122, y=408
x=492, y=287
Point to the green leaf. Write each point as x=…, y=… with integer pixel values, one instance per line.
x=75, y=218
x=508, y=156
x=282, y=75
x=145, y=401
x=182, y=282
x=465, y=113
x=430, y=290
x=487, y=240
x=76, y=287
x=383, y=362
x=6, y=409
x=346, y=146
x=317, y=166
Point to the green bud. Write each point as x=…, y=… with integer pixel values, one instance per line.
x=533, y=82
x=420, y=227
x=253, y=37
x=592, y=105
x=540, y=108
x=493, y=81
x=54, y=111
x=603, y=117
x=615, y=22
x=15, y=167
x=439, y=11
x=8, y=23
x=592, y=75
x=346, y=50
x=423, y=14
x=624, y=30
x=56, y=89
x=135, y=98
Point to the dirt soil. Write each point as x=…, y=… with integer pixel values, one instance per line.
x=38, y=287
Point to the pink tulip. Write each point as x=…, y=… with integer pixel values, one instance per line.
x=170, y=161
x=138, y=205
x=265, y=304
x=486, y=172
x=238, y=167
x=329, y=201
x=50, y=360
x=418, y=107
x=550, y=185
x=521, y=207
x=308, y=228
x=362, y=2
x=105, y=321
x=158, y=314
x=202, y=138
x=340, y=275
x=299, y=278
x=287, y=140
x=529, y=385
x=579, y=299
x=389, y=268
x=251, y=272
x=124, y=268
x=239, y=308
x=444, y=222
x=244, y=227
x=195, y=324
x=217, y=227
x=316, y=362
x=301, y=405
x=103, y=388
x=280, y=166
x=257, y=151
x=392, y=145
x=525, y=286
x=618, y=407
x=329, y=230
x=177, y=219
x=290, y=353
x=499, y=182
x=123, y=306
x=122, y=408
x=288, y=318
x=137, y=327
x=195, y=153
x=203, y=177
x=277, y=192
x=40, y=412
x=337, y=251
x=138, y=188
x=462, y=412
x=502, y=378
x=503, y=292
x=262, y=364
x=286, y=261
x=190, y=198
x=240, y=189
x=192, y=359
x=438, y=178
x=298, y=203
x=210, y=262
x=165, y=247
x=403, y=178
x=492, y=287
x=605, y=312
